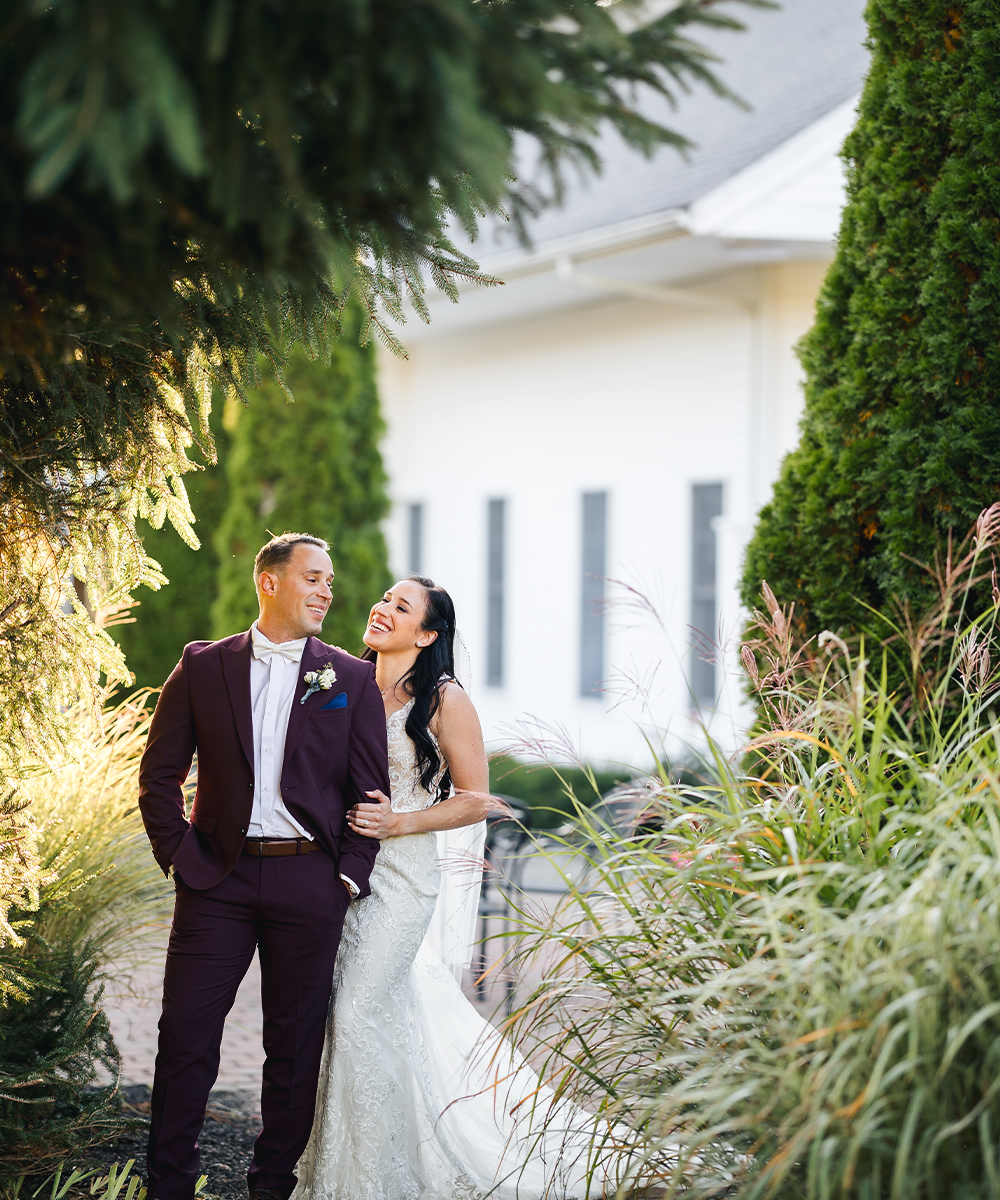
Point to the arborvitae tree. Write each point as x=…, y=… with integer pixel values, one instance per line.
x=165, y=621
x=901, y=434
x=313, y=466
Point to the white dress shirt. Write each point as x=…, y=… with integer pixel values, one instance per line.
x=274, y=675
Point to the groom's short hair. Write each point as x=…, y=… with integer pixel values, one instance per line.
x=280, y=549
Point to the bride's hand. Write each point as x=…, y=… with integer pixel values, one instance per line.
x=375, y=820
x=481, y=805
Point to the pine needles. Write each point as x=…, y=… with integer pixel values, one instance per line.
x=50, y=1045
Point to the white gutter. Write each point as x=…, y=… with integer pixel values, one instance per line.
x=590, y=243
x=709, y=215
x=655, y=292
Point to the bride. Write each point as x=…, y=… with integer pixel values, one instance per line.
x=419, y=1098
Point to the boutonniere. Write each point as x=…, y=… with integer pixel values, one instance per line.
x=319, y=681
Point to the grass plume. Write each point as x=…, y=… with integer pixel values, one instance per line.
x=787, y=981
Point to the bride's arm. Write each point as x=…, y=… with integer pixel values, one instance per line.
x=460, y=738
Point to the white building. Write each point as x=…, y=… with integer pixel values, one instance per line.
x=618, y=410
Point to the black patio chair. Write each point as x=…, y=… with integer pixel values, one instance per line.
x=506, y=838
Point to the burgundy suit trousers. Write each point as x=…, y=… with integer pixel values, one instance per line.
x=292, y=909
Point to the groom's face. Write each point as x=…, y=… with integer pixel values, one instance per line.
x=296, y=598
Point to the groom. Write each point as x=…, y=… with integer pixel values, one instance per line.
x=290, y=734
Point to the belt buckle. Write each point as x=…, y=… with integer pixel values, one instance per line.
x=278, y=847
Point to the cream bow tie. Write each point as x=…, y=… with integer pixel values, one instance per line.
x=264, y=649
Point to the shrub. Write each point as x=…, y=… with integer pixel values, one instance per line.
x=100, y=889
x=900, y=442
x=312, y=466
x=51, y=1041
x=826, y=1028
x=165, y=620
x=552, y=793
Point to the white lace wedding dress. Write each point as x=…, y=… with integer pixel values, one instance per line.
x=419, y=1098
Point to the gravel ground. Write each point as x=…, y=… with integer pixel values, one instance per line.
x=232, y=1123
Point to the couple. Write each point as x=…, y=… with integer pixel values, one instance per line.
x=322, y=781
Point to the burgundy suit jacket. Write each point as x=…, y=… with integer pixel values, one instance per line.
x=332, y=757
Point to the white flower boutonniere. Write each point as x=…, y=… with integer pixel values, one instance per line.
x=319, y=681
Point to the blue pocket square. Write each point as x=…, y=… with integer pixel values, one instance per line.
x=339, y=701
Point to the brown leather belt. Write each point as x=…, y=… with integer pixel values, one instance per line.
x=277, y=847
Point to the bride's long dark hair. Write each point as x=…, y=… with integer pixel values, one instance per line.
x=434, y=663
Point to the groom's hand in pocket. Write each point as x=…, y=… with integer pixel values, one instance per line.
x=376, y=820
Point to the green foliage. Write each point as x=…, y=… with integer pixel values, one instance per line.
x=100, y=884
x=119, y=1182
x=185, y=190
x=164, y=621
x=303, y=147
x=900, y=439
x=312, y=466
x=49, y=1045
x=823, y=1029
x=188, y=188
x=19, y=869
x=98, y=890
x=787, y=982
x=552, y=793
x=54, y=646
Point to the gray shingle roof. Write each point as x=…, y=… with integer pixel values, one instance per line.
x=792, y=66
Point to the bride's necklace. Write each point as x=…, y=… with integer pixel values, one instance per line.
x=391, y=687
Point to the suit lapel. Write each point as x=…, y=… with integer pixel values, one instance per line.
x=236, y=671
x=312, y=659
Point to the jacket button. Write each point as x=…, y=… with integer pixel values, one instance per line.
x=243, y=831
x=250, y=786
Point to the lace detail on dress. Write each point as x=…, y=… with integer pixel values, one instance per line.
x=419, y=1098
x=406, y=793
x=371, y=1133
x=364, y=1144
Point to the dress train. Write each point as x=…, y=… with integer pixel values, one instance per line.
x=419, y=1097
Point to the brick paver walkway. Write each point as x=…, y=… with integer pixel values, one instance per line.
x=134, y=1016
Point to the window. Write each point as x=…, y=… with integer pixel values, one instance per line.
x=706, y=505
x=594, y=568
x=494, y=592
x=415, y=555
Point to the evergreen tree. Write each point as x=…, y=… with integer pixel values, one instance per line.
x=186, y=188
x=313, y=466
x=165, y=621
x=51, y=1040
x=900, y=439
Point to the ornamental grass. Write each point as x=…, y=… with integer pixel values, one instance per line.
x=786, y=982
x=100, y=891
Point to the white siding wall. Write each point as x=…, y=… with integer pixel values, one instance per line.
x=636, y=399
